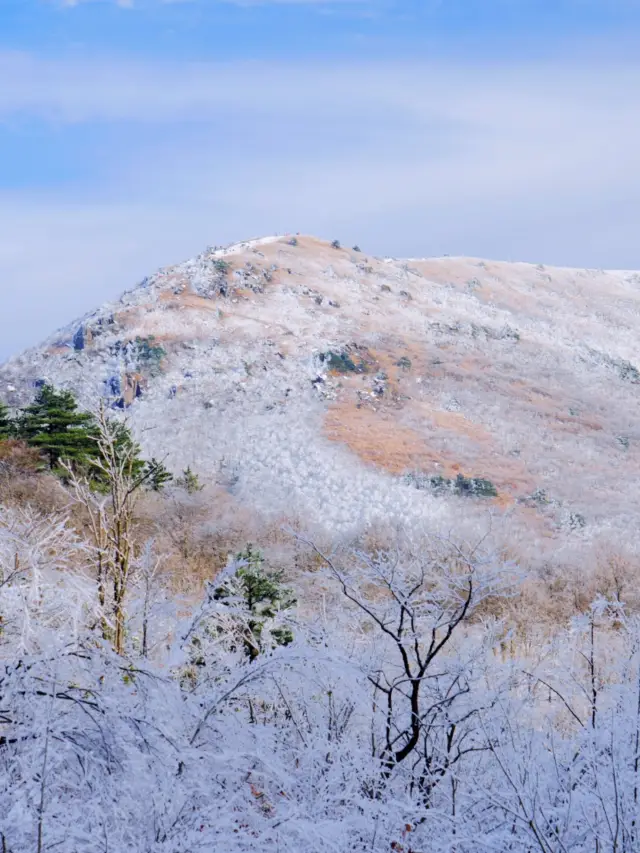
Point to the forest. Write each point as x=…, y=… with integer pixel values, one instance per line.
x=173, y=685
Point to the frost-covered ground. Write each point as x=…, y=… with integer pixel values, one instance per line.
x=516, y=373
x=396, y=722
x=308, y=382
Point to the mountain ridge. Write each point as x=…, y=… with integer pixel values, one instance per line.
x=361, y=390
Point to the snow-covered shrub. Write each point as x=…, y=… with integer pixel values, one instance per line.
x=461, y=485
x=388, y=722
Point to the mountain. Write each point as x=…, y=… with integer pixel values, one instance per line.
x=349, y=391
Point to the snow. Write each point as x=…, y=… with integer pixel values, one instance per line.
x=526, y=735
x=523, y=347
x=237, y=248
x=300, y=749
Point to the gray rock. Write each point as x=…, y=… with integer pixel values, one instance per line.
x=78, y=339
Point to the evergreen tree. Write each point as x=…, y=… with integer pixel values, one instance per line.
x=156, y=475
x=151, y=474
x=262, y=595
x=54, y=425
x=6, y=425
x=189, y=481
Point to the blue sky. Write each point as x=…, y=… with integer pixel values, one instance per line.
x=133, y=134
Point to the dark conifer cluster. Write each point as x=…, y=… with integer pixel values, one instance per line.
x=61, y=432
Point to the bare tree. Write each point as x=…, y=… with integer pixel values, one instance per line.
x=111, y=507
x=36, y=553
x=418, y=604
x=148, y=577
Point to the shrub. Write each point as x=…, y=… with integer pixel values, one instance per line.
x=540, y=497
x=509, y=333
x=462, y=486
x=422, y=481
x=404, y=363
x=221, y=266
x=576, y=521
x=150, y=354
x=335, y=244
x=23, y=483
x=625, y=369
x=628, y=371
x=189, y=482
x=476, y=486
x=342, y=362
x=293, y=241
x=356, y=248
x=18, y=459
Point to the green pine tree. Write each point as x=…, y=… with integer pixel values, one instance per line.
x=189, y=481
x=157, y=475
x=6, y=424
x=151, y=474
x=263, y=595
x=54, y=426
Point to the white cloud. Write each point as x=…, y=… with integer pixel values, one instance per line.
x=520, y=161
x=130, y=4
x=124, y=4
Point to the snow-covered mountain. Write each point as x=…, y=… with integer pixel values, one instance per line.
x=319, y=381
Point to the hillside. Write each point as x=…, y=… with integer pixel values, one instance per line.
x=391, y=601
x=297, y=374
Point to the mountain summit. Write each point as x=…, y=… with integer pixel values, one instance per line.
x=301, y=374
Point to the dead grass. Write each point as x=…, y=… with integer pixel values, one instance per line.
x=379, y=440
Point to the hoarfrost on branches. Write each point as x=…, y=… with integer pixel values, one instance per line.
x=393, y=723
x=393, y=710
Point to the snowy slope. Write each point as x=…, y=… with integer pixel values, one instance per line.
x=516, y=373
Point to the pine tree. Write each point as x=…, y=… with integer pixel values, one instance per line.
x=151, y=474
x=263, y=595
x=60, y=432
x=54, y=425
x=189, y=481
x=6, y=425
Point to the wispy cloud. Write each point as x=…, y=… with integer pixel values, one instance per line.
x=69, y=4
x=432, y=6
x=130, y=4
